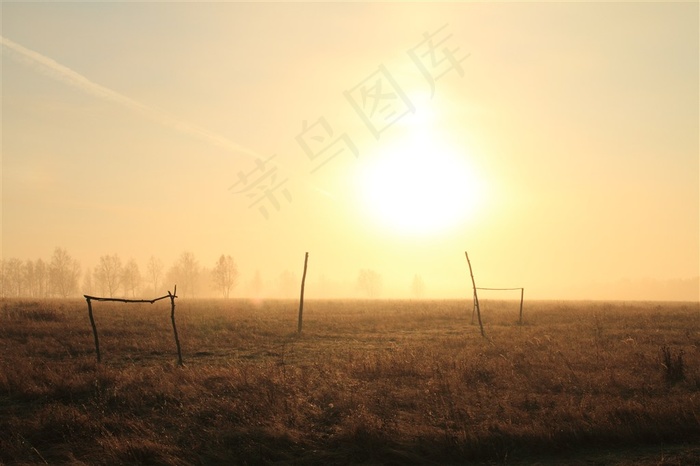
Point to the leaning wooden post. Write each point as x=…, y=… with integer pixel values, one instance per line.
x=522, y=292
x=476, y=298
x=94, y=329
x=474, y=308
x=172, y=297
x=301, y=297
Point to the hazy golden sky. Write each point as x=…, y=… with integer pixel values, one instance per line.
x=556, y=142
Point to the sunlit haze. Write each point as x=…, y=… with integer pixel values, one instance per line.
x=557, y=143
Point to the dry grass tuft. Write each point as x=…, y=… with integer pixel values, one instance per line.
x=673, y=366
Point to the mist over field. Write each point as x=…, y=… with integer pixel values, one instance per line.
x=63, y=276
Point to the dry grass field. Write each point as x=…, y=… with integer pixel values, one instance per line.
x=367, y=382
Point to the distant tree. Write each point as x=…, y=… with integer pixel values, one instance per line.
x=322, y=286
x=185, y=274
x=131, y=277
x=154, y=272
x=287, y=284
x=14, y=277
x=417, y=286
x=42, y=278
x=225, y=275
x=29, y=279
x=256, y=285
x=369, y=282
x=174, y=277
x=205, y=282
x=108, y=274
x=88, y=284
x=64, y=272
x=190, y=272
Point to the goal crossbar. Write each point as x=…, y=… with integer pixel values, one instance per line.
x=522, y=294
x=500, y=289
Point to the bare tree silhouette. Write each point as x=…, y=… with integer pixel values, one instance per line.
x=225, y=275
x=154, y=272
x=185, y=272
x=417, y=286
x=64, y=272
x=369, y=282
x=108, y=274
x=131, y=277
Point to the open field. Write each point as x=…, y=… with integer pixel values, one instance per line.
x=371, y=382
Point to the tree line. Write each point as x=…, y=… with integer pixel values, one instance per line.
x=61, y=276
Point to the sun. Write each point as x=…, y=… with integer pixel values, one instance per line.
x=419, y=185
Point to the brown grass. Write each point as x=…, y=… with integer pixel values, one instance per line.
x=371, y=382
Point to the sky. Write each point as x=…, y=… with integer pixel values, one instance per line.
x=557, y=143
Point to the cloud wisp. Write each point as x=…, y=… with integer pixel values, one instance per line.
x=55, y=70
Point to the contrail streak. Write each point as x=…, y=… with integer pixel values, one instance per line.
x=62, y=73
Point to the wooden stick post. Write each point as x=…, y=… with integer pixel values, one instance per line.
x=94, y=329
x=473, y=308
x=301, y=297
x=476, y=298
x=172, y=318
x=522, y=293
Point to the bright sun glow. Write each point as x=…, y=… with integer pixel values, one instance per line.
x=420, y=185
